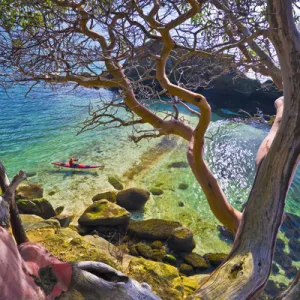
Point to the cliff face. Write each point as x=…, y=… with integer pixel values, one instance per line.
x=217, y=80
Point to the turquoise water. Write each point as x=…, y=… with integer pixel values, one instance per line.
x=42, y=128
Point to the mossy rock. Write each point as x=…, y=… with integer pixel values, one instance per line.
x=157, y=245
x=33, y=223
x=52, y=193
x=39, y=207
x=183, y=186
x=186, y=269
x=158, y=254
x=156, y=191
x=192, y=283
x=144, y=250
x=133, y=198
x=67, y=245
x=180, y=204
x=215, y=259
x=170, y=259
x=110, y=196
x=152, y=229
x=182, y=240
x=116, y=183
x=29, y=191
x=133, y=251
x=163, y=279
x=196, y=261
x=104, y=213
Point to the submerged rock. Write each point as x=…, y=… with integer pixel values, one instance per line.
x=29, y=191
x=226, y=233
x=182, y=240
x=104, y=213
x=163, y=279
x=133, y=198
x=215, y=259
x=116, y=183
x=39, y=207
x=152, y=229
x=110, y=196
x=186, y=269
x=178, y=164
x=180, y=204
x=196, y=261
x=183, y=186
x=156, y=191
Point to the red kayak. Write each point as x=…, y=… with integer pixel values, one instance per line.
x=76, y=166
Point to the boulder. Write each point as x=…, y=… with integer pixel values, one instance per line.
x=152, y=229
x=133, y=198
x=29, y=191
x=183, y=186
x=104, y=213
x=59, y=210
x=215, y=259
x=144, y=250
x=39, y=207
x=182, y=240
x=110, y=196
x=196, y=261
x=116, y=183
x=158, y=254
x=64, y=220
x=186, y=269
x=156, y=191
x=170, y=259
x=33, y=222
x=157, y=245
x=163, y=279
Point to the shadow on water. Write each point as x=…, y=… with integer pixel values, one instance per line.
x=69, y=173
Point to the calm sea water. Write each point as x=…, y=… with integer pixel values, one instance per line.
x=41, y=128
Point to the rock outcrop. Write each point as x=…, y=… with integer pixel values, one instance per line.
x=104, y=213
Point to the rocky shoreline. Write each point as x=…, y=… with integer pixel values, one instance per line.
x=156, y=251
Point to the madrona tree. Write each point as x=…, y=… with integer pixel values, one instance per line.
x=149, y=48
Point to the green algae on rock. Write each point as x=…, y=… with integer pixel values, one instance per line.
x=191, y=283
x=144, y=250
x=170, y=259
x=104, y=213
x=110, y=196
x=163, y=279
x=157, y=245
x=182, y=240
x=183, y=186
x=115, y=182
x=158, y=254
x=39, y=207
x=133, y=198
x=196, y=261
x=152, y=229
x=29, y=191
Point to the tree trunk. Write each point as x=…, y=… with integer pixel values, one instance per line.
x=246, y=270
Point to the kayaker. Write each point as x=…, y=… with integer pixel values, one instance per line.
x=72, y=160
